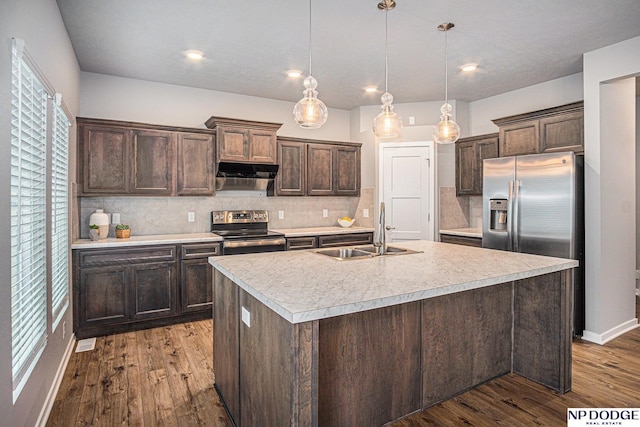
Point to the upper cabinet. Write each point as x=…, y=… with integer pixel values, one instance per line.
x=470, y=152
x=317, y=168
x=552, y=129
x=123, y=158
x=244, y=141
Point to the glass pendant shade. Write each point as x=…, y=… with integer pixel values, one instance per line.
x=388, y=123
x=310, y=112
x=446, y=131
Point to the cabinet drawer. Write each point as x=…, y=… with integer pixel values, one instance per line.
x=461, y=240
x=345, y=240
x=305, y=242
x=127, y=256
x=200, y=250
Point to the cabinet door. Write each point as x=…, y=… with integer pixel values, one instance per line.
x=152, y=162
x=233, y=144
x=347, y=168
x=520, y=138
x=291, y=178
x=104, y=167
x=485, y=149
x=563, y=132
x=195, y=165
x=262, y=146
x=197, y=286
x=465, y=168
x=320, y=170
x=103, y=297
x=153, y=290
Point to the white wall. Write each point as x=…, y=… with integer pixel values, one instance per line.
x=39, y=24
x=544, y=95
x=118, y=98
x=610, y=142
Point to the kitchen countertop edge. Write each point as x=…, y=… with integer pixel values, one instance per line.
x=464, y=232
x=322, y=231
x=158, y=239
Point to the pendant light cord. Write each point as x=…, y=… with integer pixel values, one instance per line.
x=386, y=50
x=310, y=38
x=446, y=68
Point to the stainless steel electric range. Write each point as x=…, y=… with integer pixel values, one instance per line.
x=246, y=232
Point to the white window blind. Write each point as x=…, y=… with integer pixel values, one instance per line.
x=28, y=219
x=59, y=213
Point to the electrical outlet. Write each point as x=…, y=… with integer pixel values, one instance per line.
x=246, y=317
x=64, y=329
x=191, y=216
x=412, y=120
x=281, y=214
x=365, y=213
x=325, y=213
x=115, y=218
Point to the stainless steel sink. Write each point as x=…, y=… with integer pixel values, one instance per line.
x=391, y=250
x=345, y=253
x=360, y=252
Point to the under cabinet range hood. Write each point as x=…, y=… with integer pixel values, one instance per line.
x=245, y=176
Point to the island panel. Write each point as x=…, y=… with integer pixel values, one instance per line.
x=226, y=343
x=369, y=366
x=466, y=340
x=542, y=325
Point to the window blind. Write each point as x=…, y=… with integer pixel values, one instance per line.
x=28, y=219
x=59, y=213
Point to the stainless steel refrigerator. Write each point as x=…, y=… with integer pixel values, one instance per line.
x=535, y=204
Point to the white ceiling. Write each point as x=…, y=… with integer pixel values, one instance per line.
x=248, y=45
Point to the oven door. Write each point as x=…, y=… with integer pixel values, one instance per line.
x=253, y=246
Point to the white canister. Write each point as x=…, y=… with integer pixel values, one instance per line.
x=100, y=219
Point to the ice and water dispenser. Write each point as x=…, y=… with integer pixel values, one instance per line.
x=498, y=214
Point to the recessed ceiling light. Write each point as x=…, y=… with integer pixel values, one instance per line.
x=196, y=55
x=469, y=67
x=371, y=89
x=294, y=73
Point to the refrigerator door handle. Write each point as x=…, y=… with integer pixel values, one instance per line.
x=509, y=218
x=515, y=230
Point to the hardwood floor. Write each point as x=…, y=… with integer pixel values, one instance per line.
x=163, y=377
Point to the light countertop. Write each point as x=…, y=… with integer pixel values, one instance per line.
x=320, y=231
x=302, y=286
x=465, y=232
x=158, y=239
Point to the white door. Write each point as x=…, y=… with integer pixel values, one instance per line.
x=407, y=183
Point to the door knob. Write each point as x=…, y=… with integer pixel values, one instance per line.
x=388, y=227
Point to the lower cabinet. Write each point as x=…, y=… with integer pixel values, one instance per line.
x=461, y=240
x=123, y=289
x=350, y=239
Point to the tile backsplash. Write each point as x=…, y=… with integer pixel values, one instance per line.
x=168, y=215
x=459, y=212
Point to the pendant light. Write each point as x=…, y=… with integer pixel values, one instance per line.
x=446, y=131
x=387, y=124
x=310, y=112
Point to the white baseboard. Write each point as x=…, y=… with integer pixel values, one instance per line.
x=55, y=386
x=611, y=333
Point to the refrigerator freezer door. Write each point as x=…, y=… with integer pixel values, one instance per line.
x=498, y=177
x=545, y=188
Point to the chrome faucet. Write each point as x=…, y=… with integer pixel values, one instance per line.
x=381, y=244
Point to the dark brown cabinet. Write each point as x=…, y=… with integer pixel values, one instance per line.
x=350, y=239
x=303, y=242
x=470, y=152
x=244, y=141
x=103, y=157
x=196, y=276
x=292, y=175
x=318, y=168
x=121, y=289
x=123, y=158
x=461, y=240
x=153, y=154
x=195, y=164
x=553, y=129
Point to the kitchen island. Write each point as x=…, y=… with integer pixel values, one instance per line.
x=302, y=339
